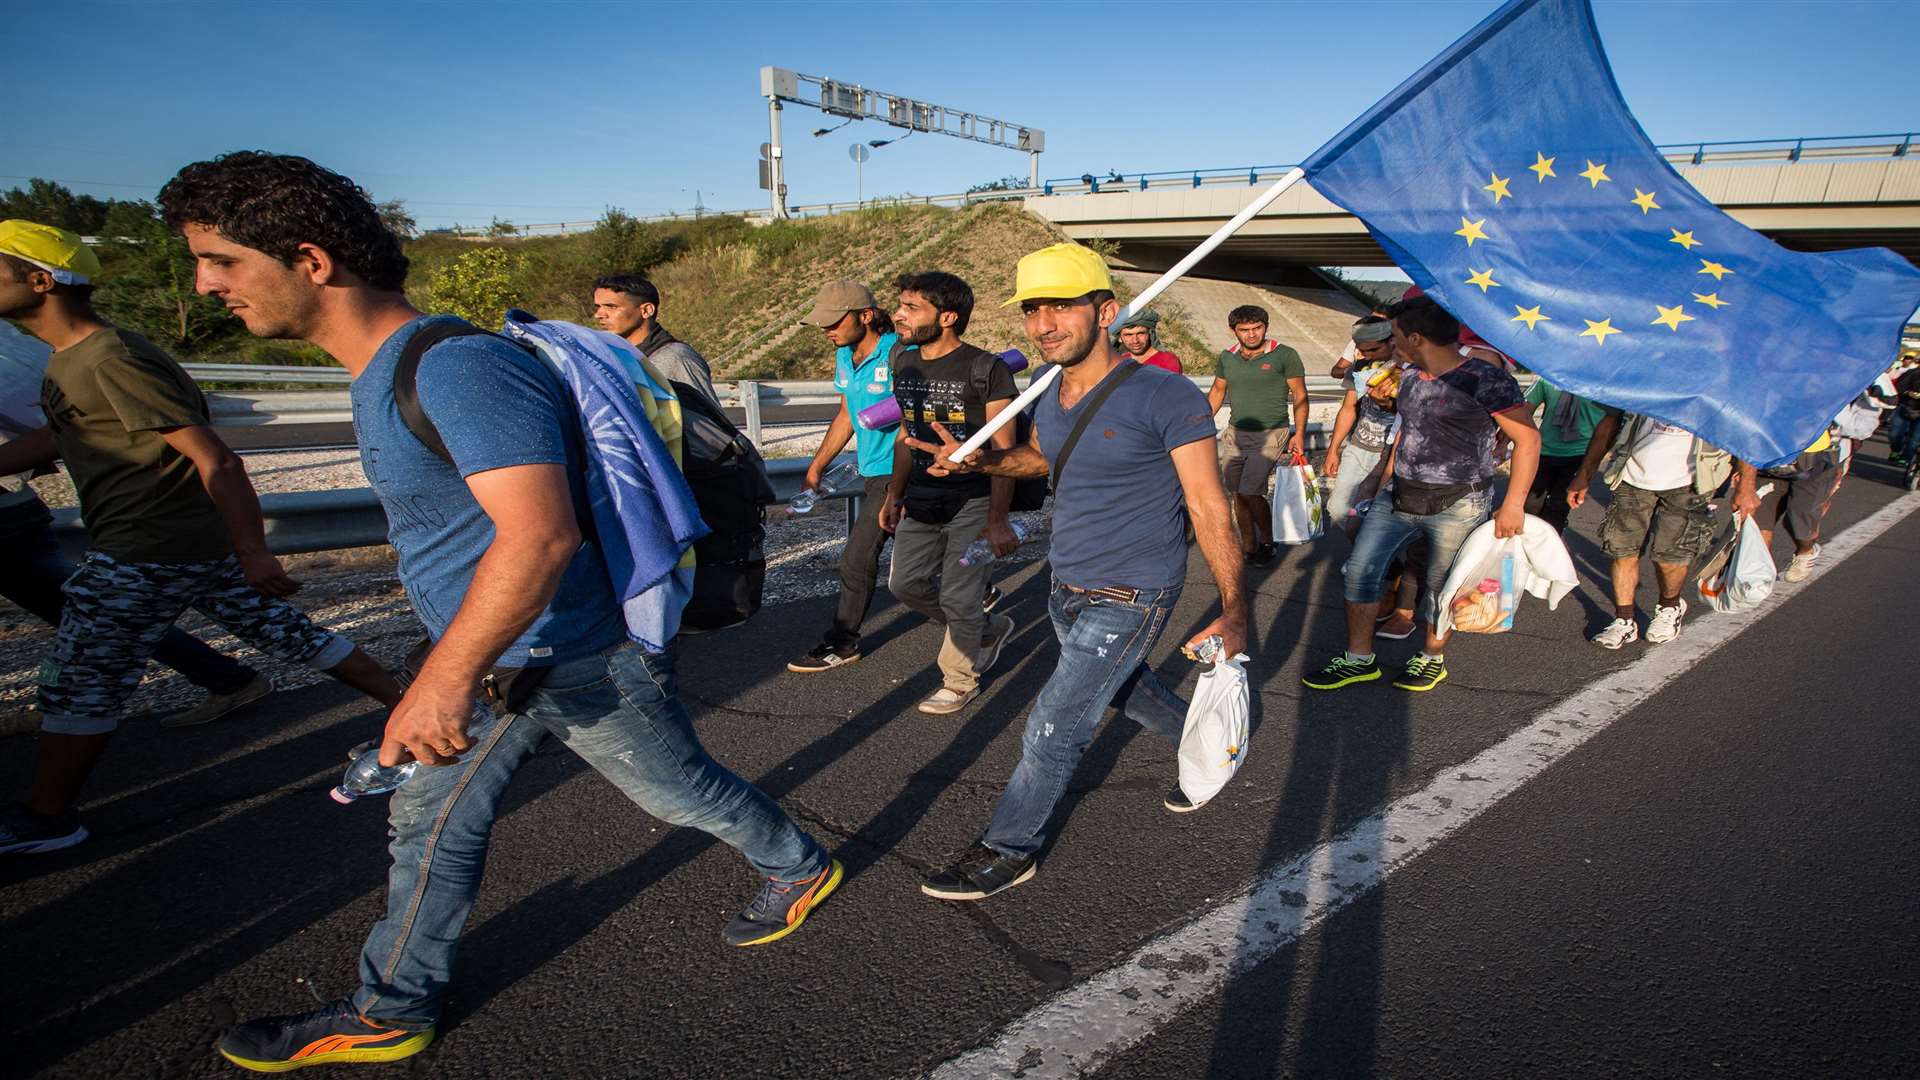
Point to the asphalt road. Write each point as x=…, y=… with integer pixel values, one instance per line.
x=1720, y=883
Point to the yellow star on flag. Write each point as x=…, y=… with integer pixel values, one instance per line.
x=1671, y=317
x=1529, y=315
x=1498, y=187
x=1684, y=239
x=1594, y=174
x=1483, y=278
x=1711, y=299
x=1543, y=166
x=1708, y=266
x=1644, y=200
x=1598, y=331
x=1471, y=230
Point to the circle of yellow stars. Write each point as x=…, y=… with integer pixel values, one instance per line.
x=1500, y=189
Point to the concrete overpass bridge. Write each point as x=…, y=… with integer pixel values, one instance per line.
x=1808, y=194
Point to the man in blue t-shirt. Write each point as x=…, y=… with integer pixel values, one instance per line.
x=864, y=349
x=1143, y=463
x=492, y=556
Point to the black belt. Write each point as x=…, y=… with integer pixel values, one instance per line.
x=1125, y=596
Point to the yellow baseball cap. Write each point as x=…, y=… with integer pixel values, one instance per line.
x=57, y=251
x=1060, y=272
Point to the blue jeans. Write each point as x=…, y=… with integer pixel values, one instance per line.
x=1103, y=648
x=1903, y=435
x=620, y=712
x=1386, y=530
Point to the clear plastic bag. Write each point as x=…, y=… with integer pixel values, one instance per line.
x=1299, y=514
x=1486, y=601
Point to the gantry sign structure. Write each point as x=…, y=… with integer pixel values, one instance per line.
x=856, y=102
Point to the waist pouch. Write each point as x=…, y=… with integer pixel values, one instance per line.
x=933, y=506
x=1798, y=469
x=1424, y=500
x=504, y=689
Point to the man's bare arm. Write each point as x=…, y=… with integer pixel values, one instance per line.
x=535, y=536
x=1197, y=466
x=30, y=451
x=224, y=476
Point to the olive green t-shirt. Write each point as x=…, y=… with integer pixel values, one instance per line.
x=107, y=398
x=1257, y=386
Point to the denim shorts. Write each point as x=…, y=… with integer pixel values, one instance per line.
x=1385, y=531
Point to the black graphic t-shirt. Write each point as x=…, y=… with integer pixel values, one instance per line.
x=943, y=391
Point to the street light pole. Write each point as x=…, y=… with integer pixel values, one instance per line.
x=776, y=167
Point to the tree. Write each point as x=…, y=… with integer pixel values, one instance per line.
x=48, y=203
x=620, y=243
x=478, y=286
x=393, y=214
x=147, y=283
x=502, y=227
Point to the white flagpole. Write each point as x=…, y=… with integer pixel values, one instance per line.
x=1045, y=378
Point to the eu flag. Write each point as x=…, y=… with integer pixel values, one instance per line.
x=1508, y=179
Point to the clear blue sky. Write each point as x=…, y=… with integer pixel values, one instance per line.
x=550, y=112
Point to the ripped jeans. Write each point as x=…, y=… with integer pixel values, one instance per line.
x=619, y=711
x=1103, y=651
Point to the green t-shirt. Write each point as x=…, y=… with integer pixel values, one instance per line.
x=1257, y=386
x=1586, y=416
x=106, y=399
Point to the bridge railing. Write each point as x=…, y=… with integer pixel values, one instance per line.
x=1736, y=152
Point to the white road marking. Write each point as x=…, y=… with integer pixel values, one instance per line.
x=1079, y=1029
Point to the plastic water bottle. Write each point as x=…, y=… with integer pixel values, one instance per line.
x=1208, y=651
x=837, y=477
x=981, y=551
x=366, y=776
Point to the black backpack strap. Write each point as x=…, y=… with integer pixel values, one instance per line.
x=406, y=381
x=1128, y=371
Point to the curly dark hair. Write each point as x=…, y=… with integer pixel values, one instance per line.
x=944, y=291
x=276, y=202
x=1246, y=313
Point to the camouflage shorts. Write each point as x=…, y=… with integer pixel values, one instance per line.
x=118, y=611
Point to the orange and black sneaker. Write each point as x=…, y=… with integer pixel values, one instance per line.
x=782, y=906
x=332, y=1035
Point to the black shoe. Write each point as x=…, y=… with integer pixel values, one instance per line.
x=1263, y=555
x=1423, y=674
x=980, y=874
x=991, y=600
x=23, y=832
x=331, y=1035
x=823, y=656
x=1341, y=671
x=1178, y=802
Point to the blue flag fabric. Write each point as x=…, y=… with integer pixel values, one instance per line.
x=1508, y=179
x=644, y=514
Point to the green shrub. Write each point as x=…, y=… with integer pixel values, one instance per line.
x=478, y=286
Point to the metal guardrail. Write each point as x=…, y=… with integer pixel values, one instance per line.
x=269, y=373
x=308, y=521
x=750, y=396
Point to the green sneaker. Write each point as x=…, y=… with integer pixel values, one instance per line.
x=1422, y=674
x=1341, y=671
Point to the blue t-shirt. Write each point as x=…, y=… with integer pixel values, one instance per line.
x=868, y=383
x=1117, y=518
x=495, y=406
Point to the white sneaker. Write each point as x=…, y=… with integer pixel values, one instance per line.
x=218, y=705
x=1802, y=564
x=1617, y=633
x=1665, y=624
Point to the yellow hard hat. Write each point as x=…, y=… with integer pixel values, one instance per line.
x=1060, y=272
x=57, y=251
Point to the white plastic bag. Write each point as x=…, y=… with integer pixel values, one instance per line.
x=1299, y=516
x=1485, y=600
x=1741, y=577
x=1214, y=743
